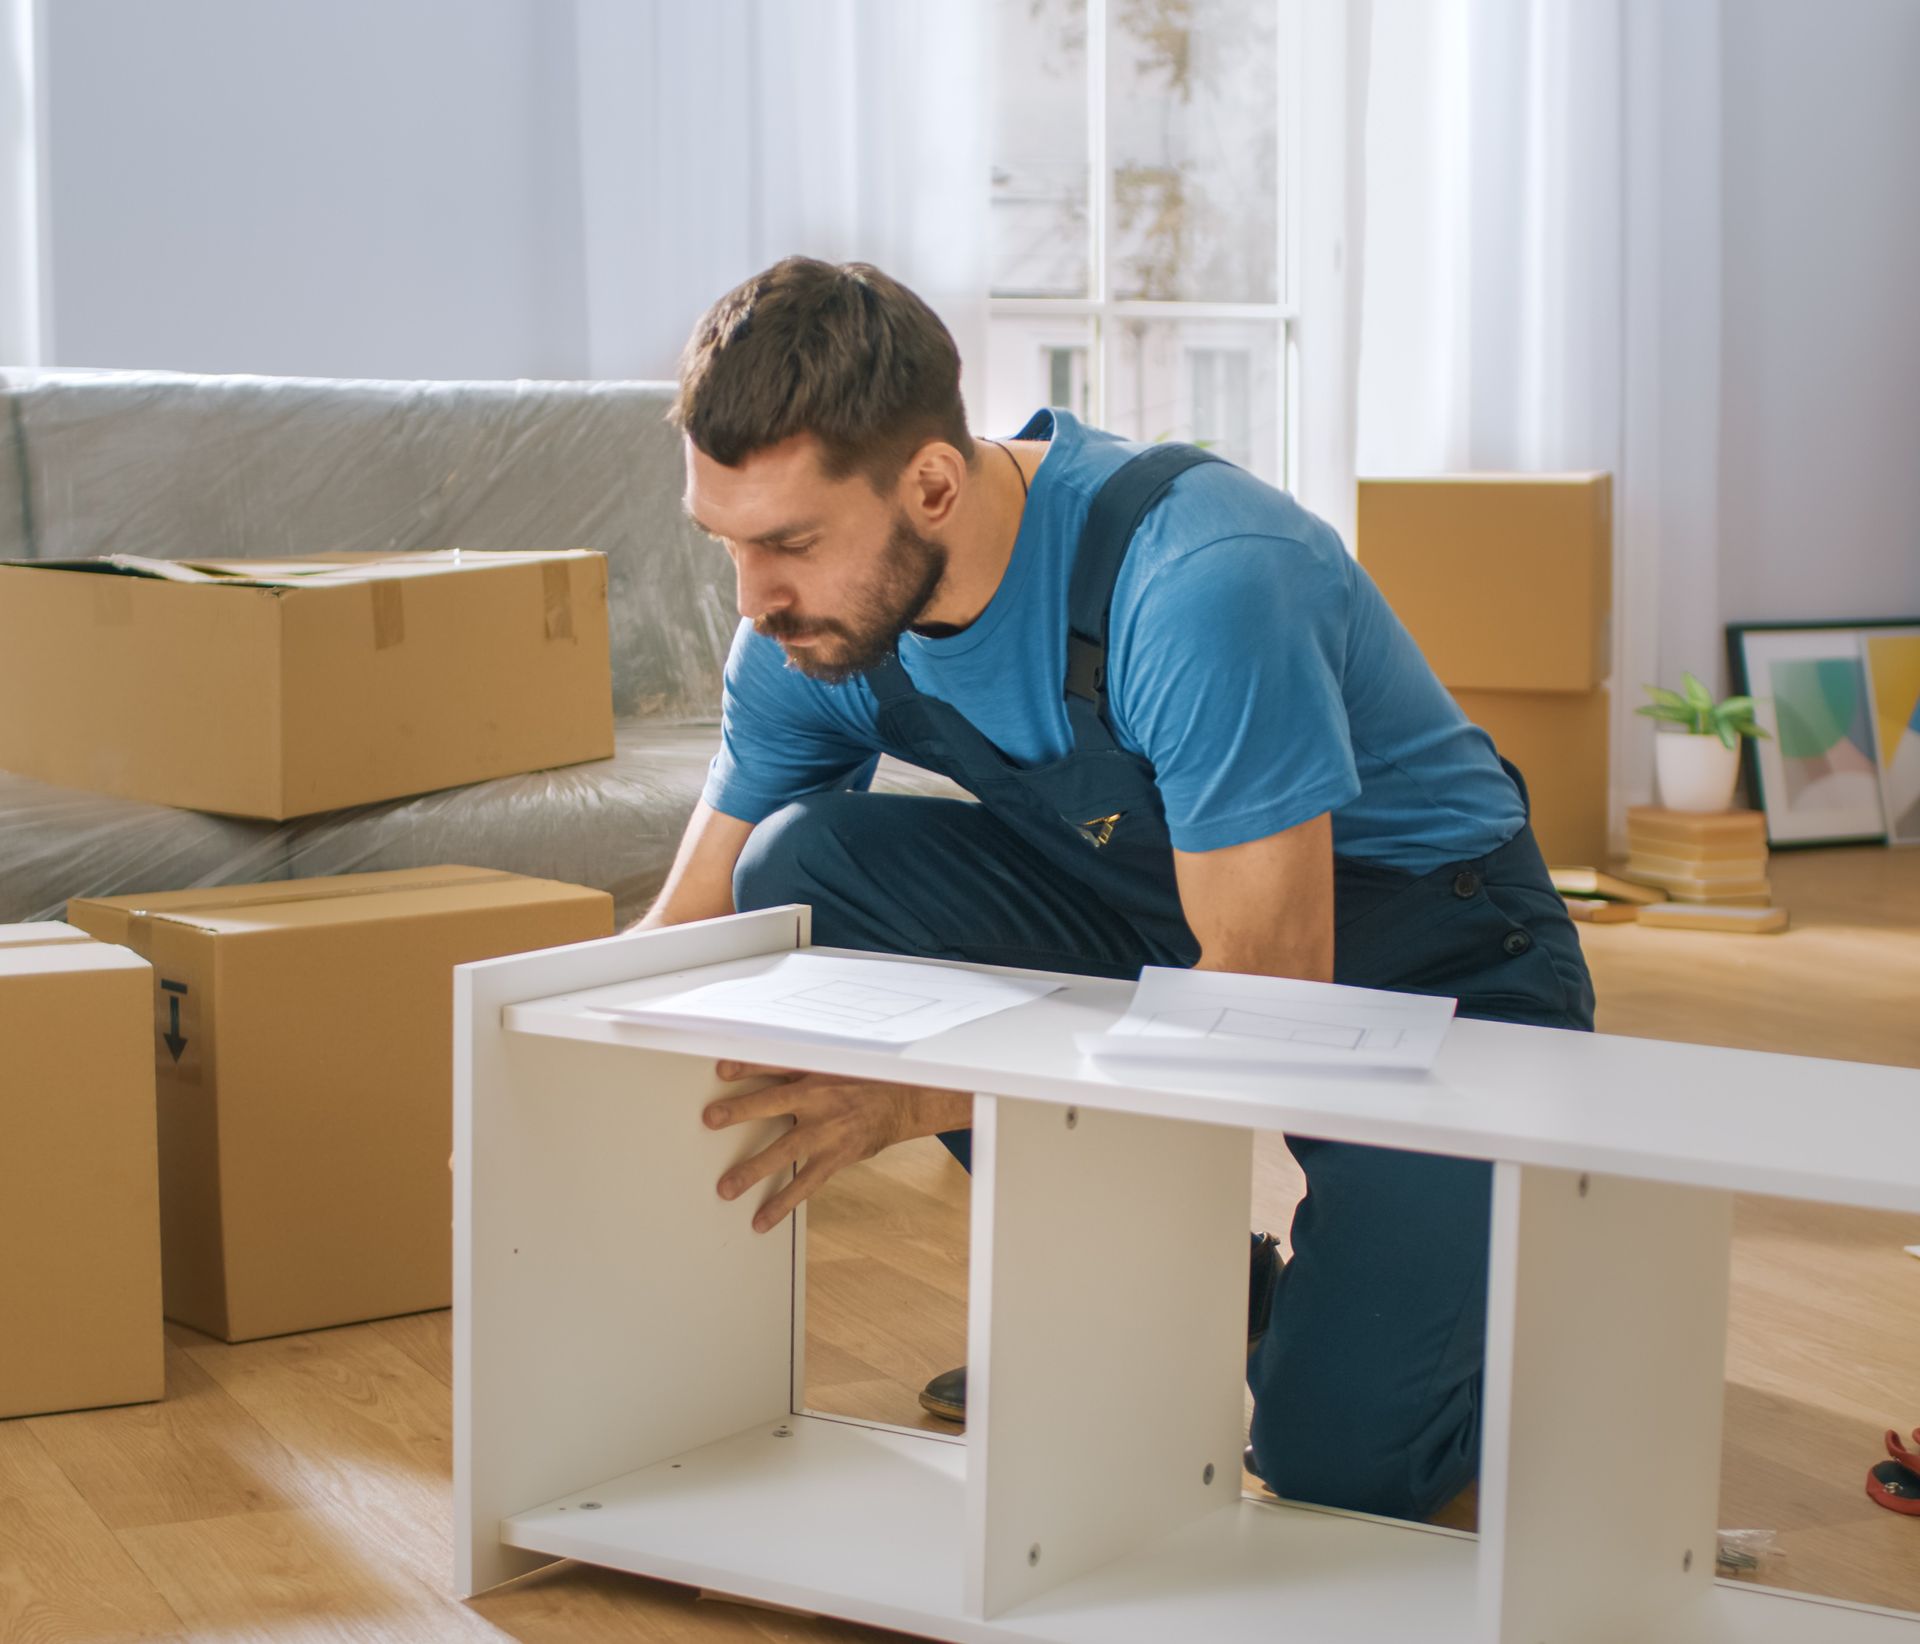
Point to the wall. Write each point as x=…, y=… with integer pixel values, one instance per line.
x=357, y=188
x=19, y=189
x=392, y=188
x=1820, y=369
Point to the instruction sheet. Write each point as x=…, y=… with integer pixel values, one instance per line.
x=882, y=1002
x=1213, y=1018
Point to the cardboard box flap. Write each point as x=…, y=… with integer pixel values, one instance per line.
x=495, y=892
x=319, y=570
x=118, y=565
x=332, y=570
x=141, y=569
x=227, y=898
x=112, y=918
x=347, y=898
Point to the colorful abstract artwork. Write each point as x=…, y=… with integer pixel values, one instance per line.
x=1825, y=726
x=1893, y=675
x=1817, y=772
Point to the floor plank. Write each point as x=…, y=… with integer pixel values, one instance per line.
x=368, y=1428
x=425, y=1339
x=577, y=1604
x=195, y=1454
x=289, y=1575
x=64, y=1577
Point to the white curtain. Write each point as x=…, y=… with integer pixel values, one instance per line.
x=718, y=137
x=1542, y=288
x=1331, y=130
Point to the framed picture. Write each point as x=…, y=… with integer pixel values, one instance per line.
x=1825, y=772
x=1893, y=678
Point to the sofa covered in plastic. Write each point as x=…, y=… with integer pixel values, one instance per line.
x=192, y=467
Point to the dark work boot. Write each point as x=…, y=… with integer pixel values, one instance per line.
x=946, y=1395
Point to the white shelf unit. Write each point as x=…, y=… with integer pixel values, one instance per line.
x=628, y=1353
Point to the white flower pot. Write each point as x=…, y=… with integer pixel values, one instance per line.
x=1696, y=773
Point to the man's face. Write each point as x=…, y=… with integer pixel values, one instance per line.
x=831, y=569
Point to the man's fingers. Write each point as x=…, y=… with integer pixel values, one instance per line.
x=771, y=1214
x=775, y=1157
x=768, y=1102
x=752, y=1070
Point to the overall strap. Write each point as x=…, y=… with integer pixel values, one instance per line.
x=889, y=682
x=1118, y=507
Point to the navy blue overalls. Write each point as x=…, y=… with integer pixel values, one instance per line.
x=1367, y=1382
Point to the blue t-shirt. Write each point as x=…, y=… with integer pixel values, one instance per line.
x=1250, y=660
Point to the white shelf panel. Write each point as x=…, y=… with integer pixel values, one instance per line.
x=867, y=1525
x=1695, y=1115
x=1738, y=1613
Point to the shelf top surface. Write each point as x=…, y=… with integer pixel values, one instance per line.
x=1698, y=1115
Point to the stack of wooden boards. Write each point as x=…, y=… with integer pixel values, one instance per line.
x=1684, y=869
x=1712, y=867
x=1505, y=582
x=1718, y=857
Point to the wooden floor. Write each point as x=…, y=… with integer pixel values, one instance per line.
x=299, y=1488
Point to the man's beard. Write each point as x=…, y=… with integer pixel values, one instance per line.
x=910, y=575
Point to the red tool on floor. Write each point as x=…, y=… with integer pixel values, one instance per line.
x=1895, y=1484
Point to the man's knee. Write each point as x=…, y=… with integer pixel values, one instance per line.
x=786, y=855
x=1339, y=1452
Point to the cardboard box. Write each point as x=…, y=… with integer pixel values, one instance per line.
x=1505, y=581
x=279, y=688
x=302, y=1037
x=1559, y=740
x=79, y=1198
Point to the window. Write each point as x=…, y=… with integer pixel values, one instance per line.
x=1067, y=380
x=1219, y=410
x=1139, y=220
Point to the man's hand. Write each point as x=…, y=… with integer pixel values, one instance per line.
x=836, y=1122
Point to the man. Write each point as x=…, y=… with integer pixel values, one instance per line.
x=1196, y=736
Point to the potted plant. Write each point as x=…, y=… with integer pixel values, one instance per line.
x=1698, y=762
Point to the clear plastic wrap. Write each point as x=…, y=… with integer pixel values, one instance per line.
x=170, y=466
x=182, y=467
x=1748, y=1553
x=610, y=823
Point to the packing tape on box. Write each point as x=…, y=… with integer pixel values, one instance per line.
x=389, y=613
x=556, y=585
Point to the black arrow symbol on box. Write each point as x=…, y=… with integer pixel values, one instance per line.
x=175, y=1043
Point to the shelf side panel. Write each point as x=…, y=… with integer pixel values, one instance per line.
x=1107, y=1338
x=1606, y=1352
x=609, y=1307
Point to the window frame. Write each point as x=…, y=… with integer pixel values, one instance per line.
x=1101, y=311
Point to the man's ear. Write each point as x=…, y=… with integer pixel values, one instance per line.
x=931, y=484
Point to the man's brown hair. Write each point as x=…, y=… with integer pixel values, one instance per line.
x=840, y=352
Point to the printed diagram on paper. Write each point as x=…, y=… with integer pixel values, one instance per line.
x=846, y=1001
x=1269, y=1021
x=1293, y=1029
